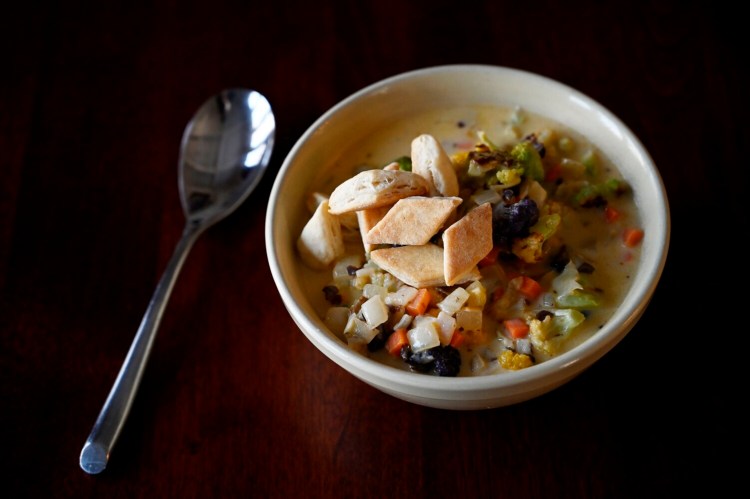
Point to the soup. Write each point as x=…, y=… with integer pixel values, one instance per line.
x=469, y=241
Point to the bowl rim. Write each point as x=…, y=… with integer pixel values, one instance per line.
x=567, y=363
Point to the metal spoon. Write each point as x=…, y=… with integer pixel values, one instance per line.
x=225, y=151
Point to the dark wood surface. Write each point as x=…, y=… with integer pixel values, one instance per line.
x=235, y=402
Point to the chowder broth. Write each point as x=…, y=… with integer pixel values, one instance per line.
x=533, y=305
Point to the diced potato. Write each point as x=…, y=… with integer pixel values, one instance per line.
x=424, y=336
x=375, y=311
x=401, y=296
x=371, y=290
x=358, y=331
x=447, y=325
x=469, y=319
x=454, y=301
x=477, y=294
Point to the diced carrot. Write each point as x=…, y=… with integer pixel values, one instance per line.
x=457, y=339
x=553, y=173
x=611, y=214
x=434, y=312
x=516, y=327
x=631, y=237
x=490, y=258
x=419, y=303
x=396, y=341
x=529, y=288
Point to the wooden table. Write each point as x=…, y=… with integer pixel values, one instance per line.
x=235, y=402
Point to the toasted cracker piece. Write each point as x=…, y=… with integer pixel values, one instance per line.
x=413, y=220
x=429, y=159
x=466, y=242
x=417, y=266
x=367, y=219
x=348, y=221
x=375, y=188
x=321, y=241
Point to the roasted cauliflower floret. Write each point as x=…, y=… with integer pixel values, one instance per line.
x=514, y=360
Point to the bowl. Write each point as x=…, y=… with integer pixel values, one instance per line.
x=385, y=102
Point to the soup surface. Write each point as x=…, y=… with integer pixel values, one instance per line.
x=535, y=244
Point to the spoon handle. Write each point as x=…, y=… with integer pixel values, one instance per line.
x=95, y=452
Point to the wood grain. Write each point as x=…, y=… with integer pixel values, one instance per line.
x=235, y=401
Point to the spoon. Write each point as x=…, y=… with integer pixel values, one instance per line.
x=224, y=152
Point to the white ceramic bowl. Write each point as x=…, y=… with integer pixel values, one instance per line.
x=377, y=105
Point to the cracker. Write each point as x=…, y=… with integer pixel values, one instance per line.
x=367, y=219
x=412, y=221
x=429, y=160
x=375, y=188
x=321, y=241
x=417, y=266
x=466, y=242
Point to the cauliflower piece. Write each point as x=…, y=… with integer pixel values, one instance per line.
x=548, y=336
x=529, y=248
x=514, y=360
x=543, y=338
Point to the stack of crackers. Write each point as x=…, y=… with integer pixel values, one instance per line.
x=399, y=213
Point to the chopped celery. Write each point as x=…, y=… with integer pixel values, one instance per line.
x=527, y=155
x=566, y=320
x=595, y=194
x=578, y=299
x=589, y=161
x=566, y=145
x=486, y=140
x=404, y=163
x=547, y=225
x=567, y=281
x=587, y=195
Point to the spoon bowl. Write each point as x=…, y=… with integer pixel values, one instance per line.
x=224, y=152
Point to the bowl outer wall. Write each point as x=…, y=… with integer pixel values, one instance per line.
x=446, y=86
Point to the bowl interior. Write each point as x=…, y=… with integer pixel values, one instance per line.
x=315, y=156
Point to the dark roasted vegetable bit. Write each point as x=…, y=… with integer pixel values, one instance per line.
x=447, y=360
x=586, y=268
x=420, y=361
x=332, y=295
x=443, y=360
x=514, y=220
x=379, y=340
x=537, y=145
x=560, y=260
x=543, y=314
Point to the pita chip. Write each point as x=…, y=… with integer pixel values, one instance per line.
x=466, y=242
x=321, y=241
x=412, y=221
x=417, y=266
x=375, y=188
x=367, y=219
